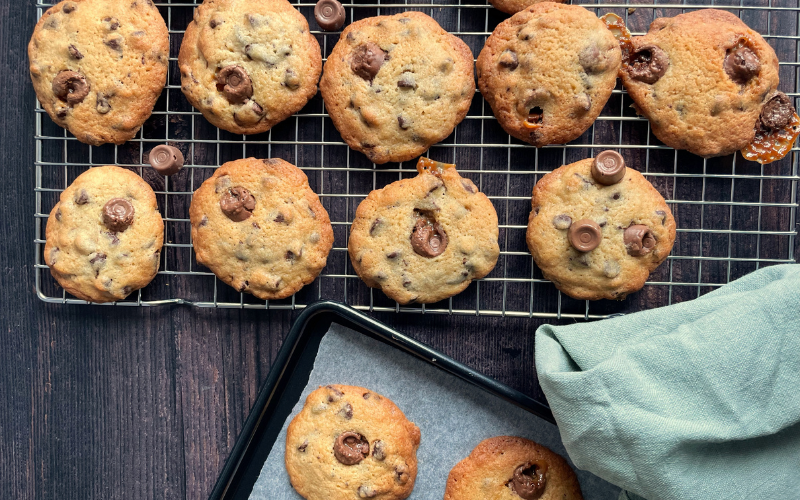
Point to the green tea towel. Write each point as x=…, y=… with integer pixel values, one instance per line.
x=699, y=400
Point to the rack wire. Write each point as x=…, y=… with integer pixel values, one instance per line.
x=733, y=216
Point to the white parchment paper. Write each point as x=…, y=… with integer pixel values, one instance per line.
x=453, y=416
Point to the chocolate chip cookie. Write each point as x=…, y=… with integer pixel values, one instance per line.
x=395, y=85
x=514, y=6
x=548, y=71
x=104, y=236
x=260, y=228
x=247, y=64
x=702, y=79
x=512, y=467
x=597, y=229
x=349, y=442
x=424, y=239
x=98, y=67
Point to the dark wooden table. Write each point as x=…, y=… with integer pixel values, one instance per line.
x=101, y=402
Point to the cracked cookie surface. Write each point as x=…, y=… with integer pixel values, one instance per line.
x=395, y=85
x=98, y=67
x=248, y=65
x=260, y=228
x=548, y=71
x=426, y=238
x=96, y=259
x=349, y=442
x=497, y=468
x=570, y=194
x=701, y=79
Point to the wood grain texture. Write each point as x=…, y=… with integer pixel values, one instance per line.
x=146, y=403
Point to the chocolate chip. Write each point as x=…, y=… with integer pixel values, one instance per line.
x=111, y=23
x=401, y=473
x=74, y=52
x=508, y=59
x=777, y=112
x=585, y=235
x=114, y=41
x=469, y=186
x=330, y=15
x=98, y=258
x=81, y=197
x=562, y=221
x=113, y=237
x=608, y=168
x=350, y=448
x=103, y=106
x=118, y=214
x=214, y=23
x=53, y=257
x=741, y=64
x=528, y=481
x=407, y=81
x=392, y=255
x=403, y=122
x=347, y=411
x=166, y=160
x=204, y=221
x=611, y=269
x=302, y=447
x=291, y=80
x=615, y=196
x=663, y=216
x=58, y=215
x=335, y=395
x=289, y=255
x=367, y=60
x=366, y=395
x=71, y=87
x=378, y=450
x=591, y=61
x=648, y=64
x=237, y=204
x=428, y=238
x=375, y=225
x=69, y=7
x=235, y=84
x=62, y=113
x=639, y=240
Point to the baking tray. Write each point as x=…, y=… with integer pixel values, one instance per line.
x=733, y=216
x=289, y=376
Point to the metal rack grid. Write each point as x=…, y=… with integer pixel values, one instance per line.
x=733, y=216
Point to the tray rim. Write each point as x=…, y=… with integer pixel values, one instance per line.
x=345, y=315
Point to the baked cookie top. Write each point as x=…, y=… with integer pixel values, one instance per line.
x=424, y=239
x=98, y=66
x=597, y=241
x=510, y=468
x=395, y=85
x=248, y=65
x=514, y=6
x=349, y=442
x=732, y=72
x=548, y=71
x=260, y=228
x=104, y=236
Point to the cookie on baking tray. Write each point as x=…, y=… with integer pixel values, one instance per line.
x=395, y=85
x=734, y=79
x=248, y=65
x=426, y=238
x=349, y=442
x=98, y=66
x=548, y=71
x=260, y=228
x=597, y=229
x=104, y=236
x=512, y=467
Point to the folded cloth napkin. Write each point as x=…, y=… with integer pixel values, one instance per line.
x=699, y=400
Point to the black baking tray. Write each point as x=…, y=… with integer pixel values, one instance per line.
x=289, y=376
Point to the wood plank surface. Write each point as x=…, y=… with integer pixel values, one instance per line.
x=146, y=403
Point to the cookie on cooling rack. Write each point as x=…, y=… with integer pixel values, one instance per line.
x=424, y=239
x=733, y=74
x=260, y=228
x=104, y=236
x=349, y=442
x=248, y=65
x=98, y=67
x=548, y=71
x=512, y=467
x=514, y=6
x=395, y=85
x=597, y=229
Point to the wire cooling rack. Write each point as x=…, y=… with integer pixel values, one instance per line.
x=733, y=216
